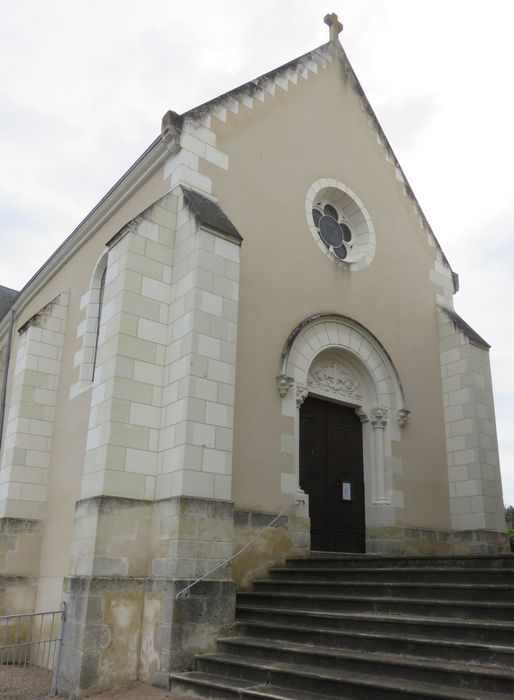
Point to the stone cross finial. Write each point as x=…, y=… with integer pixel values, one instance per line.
x=335, y=26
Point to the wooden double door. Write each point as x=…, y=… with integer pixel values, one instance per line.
x=331, y=473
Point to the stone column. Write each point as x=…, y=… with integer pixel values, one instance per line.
x=302, y=510
x=378, y=419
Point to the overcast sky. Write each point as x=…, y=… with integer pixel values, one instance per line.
x=83, y=87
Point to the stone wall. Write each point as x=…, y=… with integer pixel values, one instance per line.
x=289, y=535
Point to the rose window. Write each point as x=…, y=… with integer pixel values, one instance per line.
x=340, y=224
x=333, y=229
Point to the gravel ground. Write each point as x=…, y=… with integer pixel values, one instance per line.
x=33, y=683
x=24, y=682
x=138, y=691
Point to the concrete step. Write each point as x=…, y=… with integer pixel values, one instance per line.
x=206, y=685
x=346, y=561
x=356, y=687
x=442, y=591
x=496, y=633
x=422, y=669
x=413, y=644
x=471, y=575
x=334, y=682
x=455, y=609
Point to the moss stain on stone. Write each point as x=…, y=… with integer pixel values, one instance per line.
x=150, y=659
x=119, y=661
x=269, y=550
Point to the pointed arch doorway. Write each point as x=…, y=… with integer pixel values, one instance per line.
x=332, y=474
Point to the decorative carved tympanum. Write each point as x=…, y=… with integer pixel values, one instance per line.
x=333, y=377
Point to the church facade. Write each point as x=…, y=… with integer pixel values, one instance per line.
x=256, y=323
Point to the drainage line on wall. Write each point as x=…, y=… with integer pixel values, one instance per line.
x=4, y=378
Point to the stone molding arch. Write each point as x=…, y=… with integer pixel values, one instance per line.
x=326, y=332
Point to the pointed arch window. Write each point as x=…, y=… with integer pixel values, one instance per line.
x=98, y=319
x=89, y=328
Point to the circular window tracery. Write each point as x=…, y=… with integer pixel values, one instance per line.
x=334, y=230
x=340, y=224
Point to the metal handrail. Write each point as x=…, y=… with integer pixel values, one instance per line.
x=295, y=502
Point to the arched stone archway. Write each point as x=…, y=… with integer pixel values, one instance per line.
x=335, y=358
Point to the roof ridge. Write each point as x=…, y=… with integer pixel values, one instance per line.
x=254, y=84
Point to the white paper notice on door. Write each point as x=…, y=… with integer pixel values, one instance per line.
x=347, y=491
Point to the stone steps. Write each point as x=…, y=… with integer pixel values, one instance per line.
x=446, y=575
x=373, y=561
x=440, y=628
x=459, y=609
x=275, y=681
x=288, y=657
x=442, y=591
x=207, y=685
x=374, y=627
x=474, y=652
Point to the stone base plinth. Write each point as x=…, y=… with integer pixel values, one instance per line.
x=131, y=558
x=102, y=634
x=410, y=540
x=481, y=542
x=123, y=629
x=175, y=630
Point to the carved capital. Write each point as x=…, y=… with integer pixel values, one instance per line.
x=378, y=417
x=283, y=384
x=363, y=416
x=402, y=416
x=301, y=394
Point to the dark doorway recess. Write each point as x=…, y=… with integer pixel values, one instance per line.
x=331, y=472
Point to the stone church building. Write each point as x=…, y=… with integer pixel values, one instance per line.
x=255, y=321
